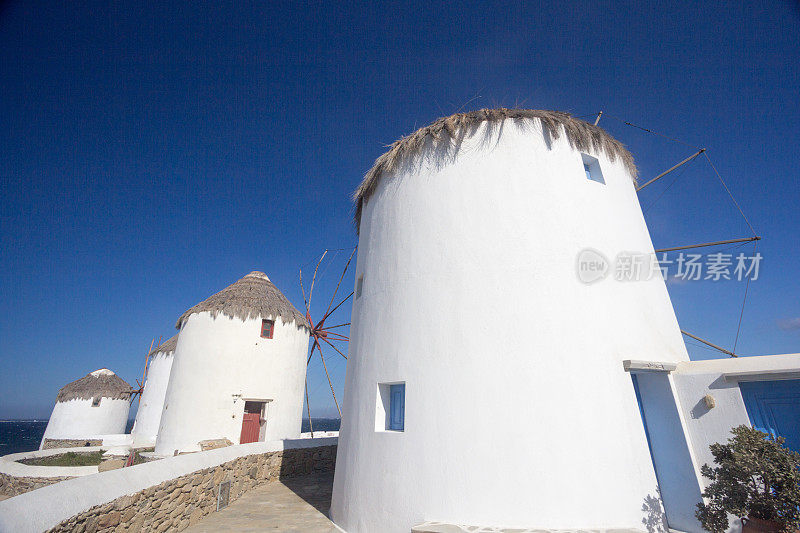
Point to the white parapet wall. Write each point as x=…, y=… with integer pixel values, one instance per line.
x=45, y=508
x=10, y=465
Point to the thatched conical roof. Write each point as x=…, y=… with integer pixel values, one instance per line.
x=451, y=131
x=252, y=296
x=167, y=347
x=101, y=383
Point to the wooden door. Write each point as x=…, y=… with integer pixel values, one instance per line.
x=251, y=427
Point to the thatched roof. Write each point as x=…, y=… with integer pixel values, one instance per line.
x=252, y=296
x=101, y=383
x=167, y=347
x=451, y=131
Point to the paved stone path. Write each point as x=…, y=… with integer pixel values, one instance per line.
x=296, y=505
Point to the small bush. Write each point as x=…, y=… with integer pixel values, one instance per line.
x=755, y=477
x=67, y=459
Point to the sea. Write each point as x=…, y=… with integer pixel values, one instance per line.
x=26, y=435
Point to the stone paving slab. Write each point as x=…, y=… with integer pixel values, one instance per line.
x=295, y=505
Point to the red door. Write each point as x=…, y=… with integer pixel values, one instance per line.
x=251, y=427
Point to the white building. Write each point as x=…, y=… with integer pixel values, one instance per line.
x=485, y=383
x=239, y=369
x=151, y=402
x=692, y=404
x=86, y=409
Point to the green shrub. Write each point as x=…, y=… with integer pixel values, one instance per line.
x=67, y=459
x=755, y=477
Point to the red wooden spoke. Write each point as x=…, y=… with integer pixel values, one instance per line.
x=329, y=380
x=305, y=302
x=335, y=348
x=321, y=333
x=308, y=409
x=314, y=279
x=335, y=308
x=336, y=336
x=337, y=325
x=340, y=282
x=312, y=351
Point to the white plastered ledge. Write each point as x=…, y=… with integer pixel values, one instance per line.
x=632, y=365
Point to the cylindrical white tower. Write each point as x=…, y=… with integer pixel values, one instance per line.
x=239, y=369
x=148, y=416
x=485, y=383
x=95, y=405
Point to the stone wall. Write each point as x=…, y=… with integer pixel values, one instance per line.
x=70, y=443
x=11, y=485
x=176, y=504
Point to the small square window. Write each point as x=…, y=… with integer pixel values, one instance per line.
x=96, y=401
x=359, y=286
x=591, y=169
x=390, y=412
x=267, y=328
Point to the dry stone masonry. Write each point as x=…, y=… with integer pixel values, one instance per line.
x=178, y=503
x=70, y=443
x=11, y=485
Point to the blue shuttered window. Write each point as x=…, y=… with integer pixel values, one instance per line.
x=397, y=406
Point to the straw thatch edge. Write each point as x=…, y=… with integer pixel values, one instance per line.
x=253, y=296
x=451, y=132
x=166, y=347
x=92, y=386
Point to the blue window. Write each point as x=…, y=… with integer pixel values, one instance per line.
x=591, y=168
x=397, y=406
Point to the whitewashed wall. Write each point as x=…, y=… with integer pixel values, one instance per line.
x=682, y=426
x=518, y=411
x=151, y=403
x=77, y=419
x=671, y=452
x=44, y=508
x=695, y=379
x=218, y=363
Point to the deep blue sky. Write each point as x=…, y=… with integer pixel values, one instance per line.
x=151, y=156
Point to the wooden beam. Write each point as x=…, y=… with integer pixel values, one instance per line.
x=715, y=243
x=671, y=169
x=695, y=337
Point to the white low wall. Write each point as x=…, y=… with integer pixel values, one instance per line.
x=720, y=378
x=319, y=434
x=10, y=466
x=121, y=439
x=44, y=508
x=681, y=446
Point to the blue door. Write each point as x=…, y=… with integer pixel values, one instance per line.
x=774, y=407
